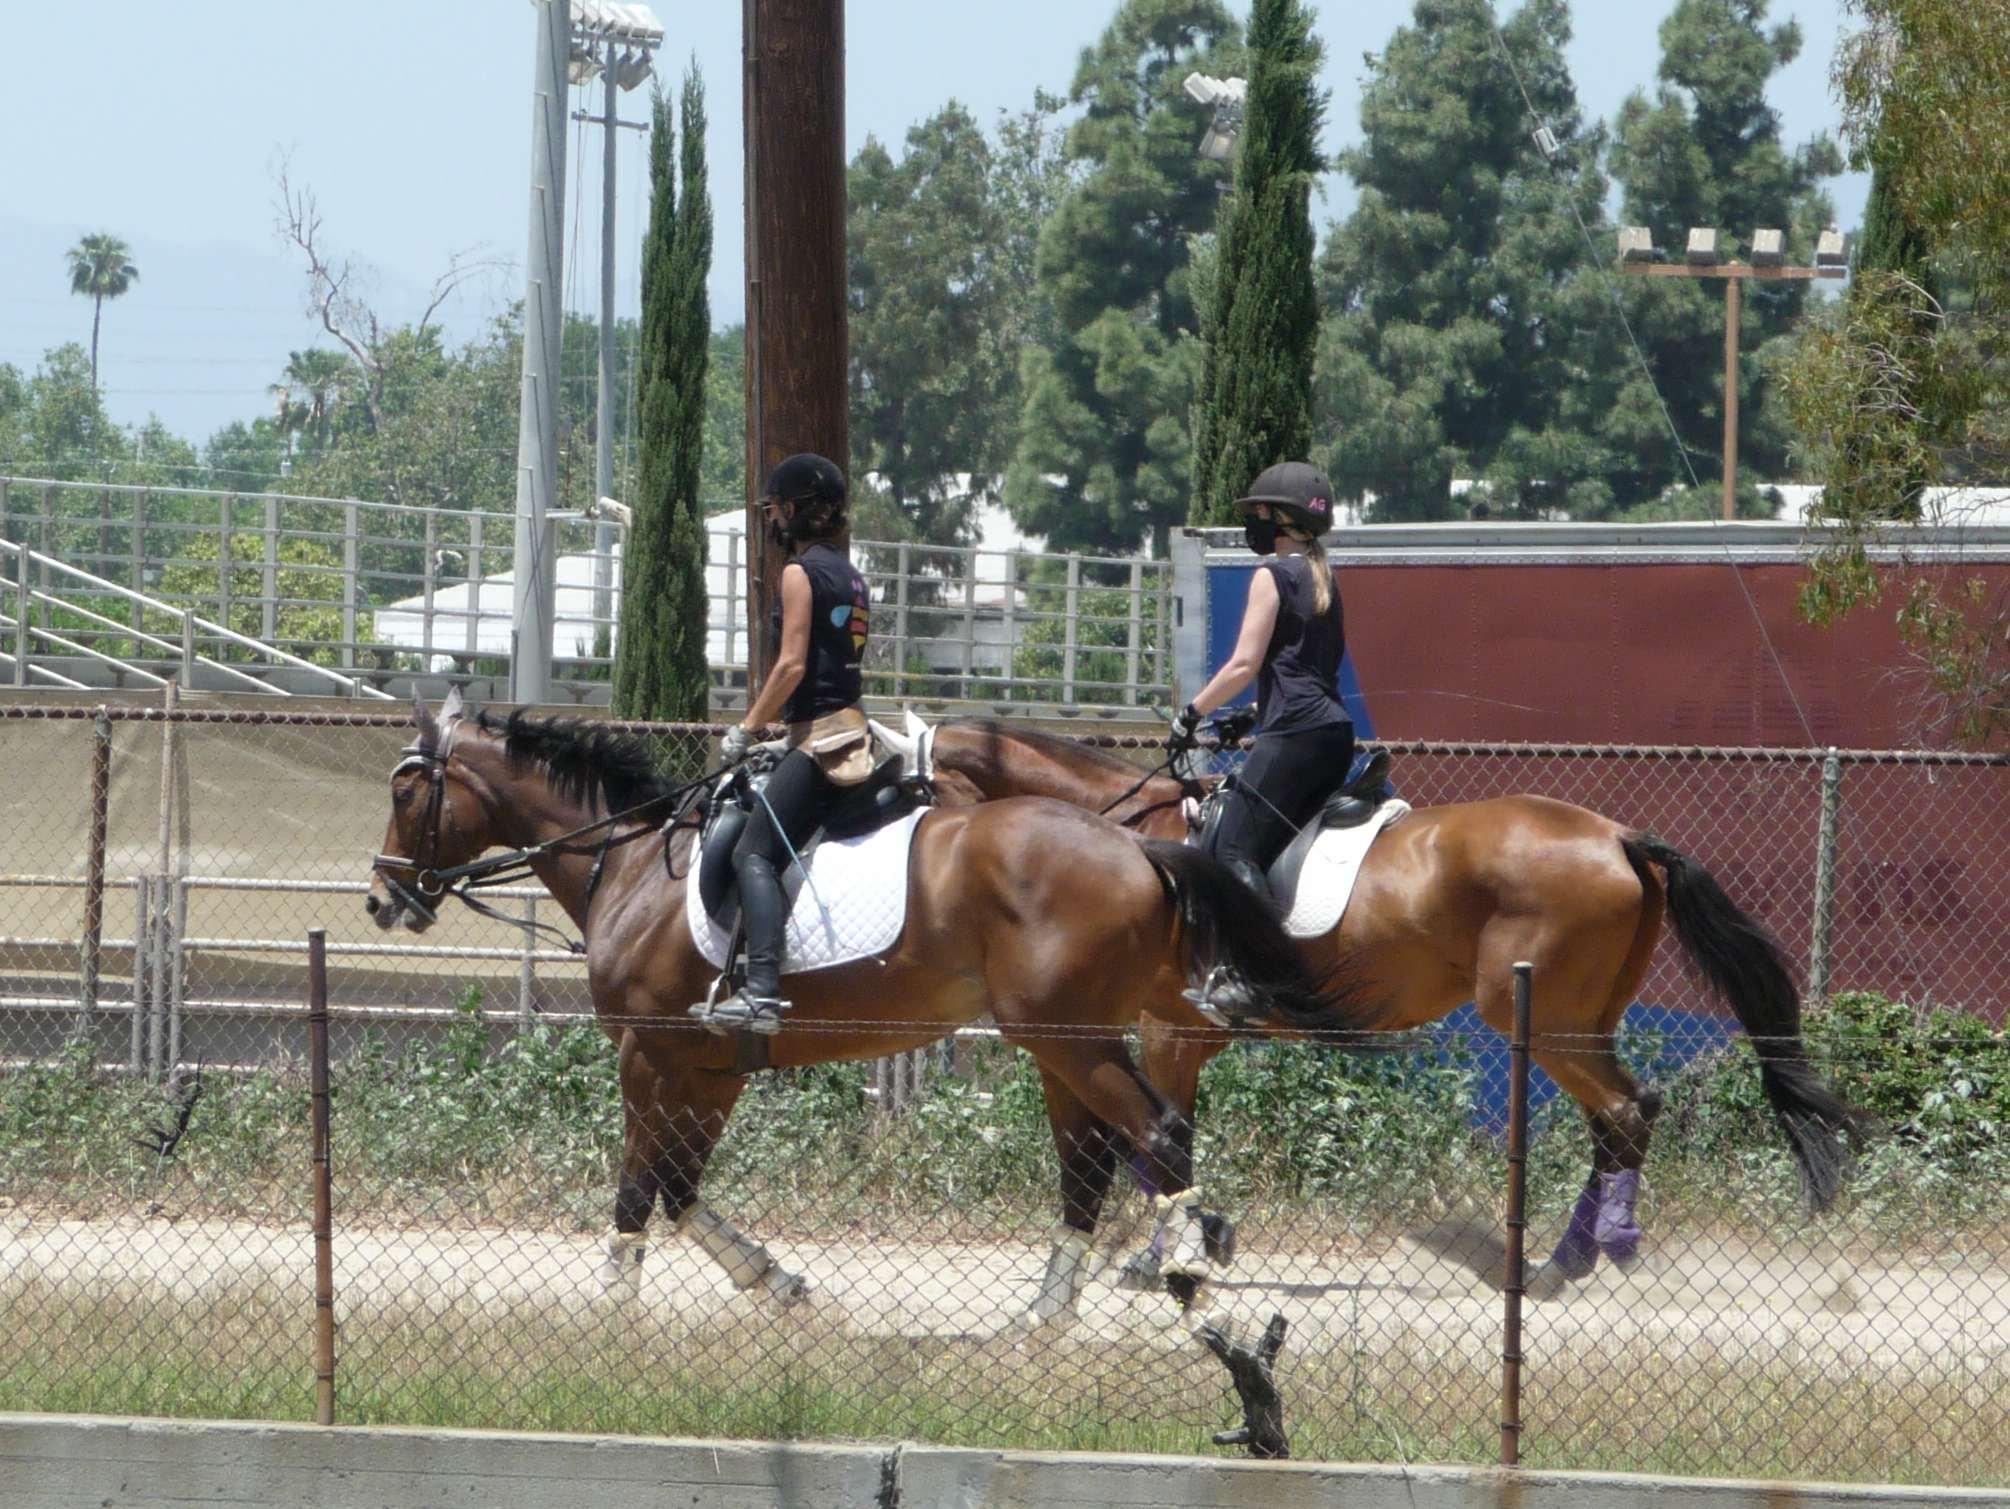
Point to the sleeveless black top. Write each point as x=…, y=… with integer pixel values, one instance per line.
x=1298, y=686
x=840, y=620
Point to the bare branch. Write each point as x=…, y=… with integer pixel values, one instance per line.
x=330, y=294
x=463, y=266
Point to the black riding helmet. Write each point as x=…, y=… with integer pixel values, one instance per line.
x=817, y=489
x=1296, y=489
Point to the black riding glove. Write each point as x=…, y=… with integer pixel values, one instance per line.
x=1184, y=730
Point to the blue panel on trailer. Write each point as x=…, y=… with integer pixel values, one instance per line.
x=1227, y=593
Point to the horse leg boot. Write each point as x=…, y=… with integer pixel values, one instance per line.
x=1088, y=1148
x=621, y=1263
x=747, y=1264
x=641, y=1174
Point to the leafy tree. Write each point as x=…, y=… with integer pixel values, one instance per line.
x=1706, y=151
x=1458, y=313
x=1260, y=315
x=660, y=671
x=1030, y=175
x=308, y=583
x=1906, y=383
x=1104, y=453
x=931, y=367
x=723, y=481
x=101, y=267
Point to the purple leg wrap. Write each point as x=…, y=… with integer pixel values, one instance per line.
x=1617, y=1232
x=1577, y=1254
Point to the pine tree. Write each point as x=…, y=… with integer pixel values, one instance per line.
x=1706, y=151
x=1104, y=453
x=660, y=670
x=1454, y=315
x=1259, y=310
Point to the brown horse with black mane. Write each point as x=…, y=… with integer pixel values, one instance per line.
x=1447, y=900
x=1057, y=923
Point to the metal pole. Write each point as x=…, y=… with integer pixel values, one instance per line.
x=162, y=890
x=1733, y=297
x=223, y=593
x=526, y=980
x=1825, y=877
x=269, y=614
x=603, y=459
x=1071, y=608
x=537, y=411
x=324, y=1202
x=22, y=603
x=1135, y=634
x=349, y=556
x=1517, y=1218
x=94, y=864
x=143, y=990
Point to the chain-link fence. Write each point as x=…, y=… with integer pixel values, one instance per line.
x=157, y=1198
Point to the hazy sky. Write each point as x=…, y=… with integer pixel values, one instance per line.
x=411, y=120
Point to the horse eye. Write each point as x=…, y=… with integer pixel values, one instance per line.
x=400, y=795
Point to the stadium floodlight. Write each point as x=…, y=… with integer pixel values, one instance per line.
x=1831, y=250
x=1769, y=248
x=633, y=67
x=1226, y=96
x=1702, y=247
x=1636, y=244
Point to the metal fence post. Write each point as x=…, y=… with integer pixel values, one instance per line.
x=22, y=602
x=969, y=615
x=733, y=603
x=188, y=646
x=268, y=616
x=1072, y=607
x=526, y=980
x=1135, y=632
x=429, y=588
x=223, y=552
x=142, y=505
x=1011, y=620
x=94, y=867
x=348, y=586
x=901, y=568
x=474, y=619
x=324, y=1194
x=1825, y=877
x=1514, y=1280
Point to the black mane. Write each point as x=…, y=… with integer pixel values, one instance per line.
x=585, y=761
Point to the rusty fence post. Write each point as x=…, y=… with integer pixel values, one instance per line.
x=324, y=1256
x=1517, y=1219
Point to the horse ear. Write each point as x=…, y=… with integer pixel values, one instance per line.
x=429, y=728
x=453, y=707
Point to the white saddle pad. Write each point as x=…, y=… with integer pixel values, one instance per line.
x=853, y=906
x=1327, y=879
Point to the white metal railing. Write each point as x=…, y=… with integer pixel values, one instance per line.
x=381, y=588
x=24, y=633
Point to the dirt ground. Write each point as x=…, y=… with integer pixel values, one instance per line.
x=1713, y=1300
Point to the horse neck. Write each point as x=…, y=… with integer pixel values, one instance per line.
x=527, y=810
x=1001, y=766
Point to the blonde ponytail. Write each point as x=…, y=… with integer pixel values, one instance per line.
x=1322, y=574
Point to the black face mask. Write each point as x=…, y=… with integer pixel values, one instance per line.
x=1260, y=535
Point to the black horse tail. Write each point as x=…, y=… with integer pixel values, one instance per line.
x=1742, y=965
x=1223, y=923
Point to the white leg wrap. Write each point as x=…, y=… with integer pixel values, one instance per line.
x=621, y=1265
x=747, y=1263
x=1186, y=1246
x=1061, y=1284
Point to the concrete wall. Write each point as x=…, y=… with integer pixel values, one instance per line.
x=68, y=1462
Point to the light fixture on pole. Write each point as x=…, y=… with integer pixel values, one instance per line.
x=1702, y=259
x=1227, y=96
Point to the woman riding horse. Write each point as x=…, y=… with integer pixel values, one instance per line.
x=1291, y=642
x=817, y=638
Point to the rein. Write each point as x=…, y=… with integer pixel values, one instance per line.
x=1139, y=785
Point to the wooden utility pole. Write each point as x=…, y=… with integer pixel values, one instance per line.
x=1735, y=276
x=798, y=339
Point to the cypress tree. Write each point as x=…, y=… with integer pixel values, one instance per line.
x=1260, y=316
x=660, y=670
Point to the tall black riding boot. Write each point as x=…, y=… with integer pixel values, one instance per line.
x=764, y=914
x=1225, y=997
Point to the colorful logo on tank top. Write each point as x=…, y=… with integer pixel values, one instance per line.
x=855, y=616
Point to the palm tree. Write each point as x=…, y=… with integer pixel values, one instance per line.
x=101, y=266
x=324, y=376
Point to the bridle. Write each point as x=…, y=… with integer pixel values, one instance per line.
x=429, y=883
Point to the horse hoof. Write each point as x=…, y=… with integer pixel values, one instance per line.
x=1141, y=1274
x=1218, y=1237
x=789, y=1288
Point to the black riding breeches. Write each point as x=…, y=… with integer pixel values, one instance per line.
x=1278, y=790
x=799, y=795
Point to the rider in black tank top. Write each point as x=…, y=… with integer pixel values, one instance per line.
x=1291, y=647
x=818, y=635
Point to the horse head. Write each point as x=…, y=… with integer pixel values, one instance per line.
x=437, y=821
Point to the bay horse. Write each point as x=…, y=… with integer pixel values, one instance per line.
x=1448, y=899
x=1057, y=923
